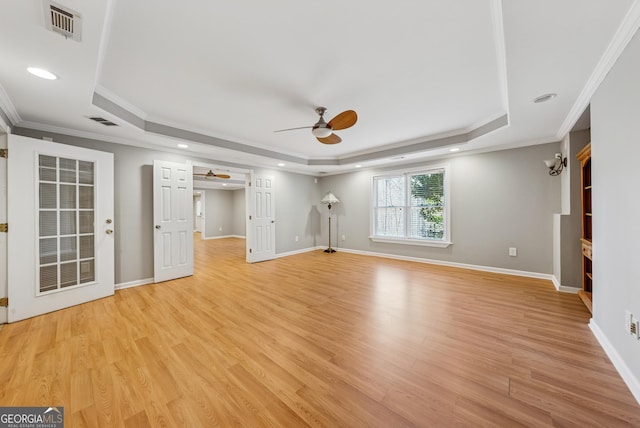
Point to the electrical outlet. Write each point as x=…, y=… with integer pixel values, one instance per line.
x=513, y=252
x=344, y=238
x=297, y=238
x=631, y=325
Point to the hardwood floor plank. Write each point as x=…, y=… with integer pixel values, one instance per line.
x=319, y=340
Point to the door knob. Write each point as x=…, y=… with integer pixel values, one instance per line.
x=109, y=231
x=158, y=227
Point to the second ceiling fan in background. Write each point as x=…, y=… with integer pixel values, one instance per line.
x=323, y=131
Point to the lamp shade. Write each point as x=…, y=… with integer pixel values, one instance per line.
x=321, y=132
x=330, y=198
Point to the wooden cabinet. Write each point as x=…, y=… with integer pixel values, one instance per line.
x=584, y=156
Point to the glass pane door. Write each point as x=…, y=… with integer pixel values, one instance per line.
x=66, y=227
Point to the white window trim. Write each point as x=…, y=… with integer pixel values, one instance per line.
x=447, y=208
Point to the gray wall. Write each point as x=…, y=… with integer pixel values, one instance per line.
x=296, y=208
x=498, y=200
x=238, y=224
x=218, y=213
x=133, y=222
x=615, y=150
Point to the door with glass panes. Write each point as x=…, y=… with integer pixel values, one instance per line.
x=61, y=229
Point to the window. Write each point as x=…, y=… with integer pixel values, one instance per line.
x=66, y=226
x=412, y=207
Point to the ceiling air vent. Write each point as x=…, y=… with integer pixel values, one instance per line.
x=63, y=20
x=103, y=121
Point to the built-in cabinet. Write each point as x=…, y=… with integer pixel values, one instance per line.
x=584, y=156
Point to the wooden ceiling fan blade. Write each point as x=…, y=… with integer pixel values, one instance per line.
x=293, y=129
x=221, y=175
x=344, y=120
x=331, y=139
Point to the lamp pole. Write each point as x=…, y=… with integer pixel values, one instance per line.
x=329, y=250
x=330, y=199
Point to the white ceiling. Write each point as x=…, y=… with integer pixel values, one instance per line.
x=222, y=76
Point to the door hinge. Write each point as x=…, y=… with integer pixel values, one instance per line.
x=4, y=302
x=249, y=217
x=4, y=227
x=4, y=153
x=250, y=251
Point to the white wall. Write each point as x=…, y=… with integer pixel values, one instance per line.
x=615, y=166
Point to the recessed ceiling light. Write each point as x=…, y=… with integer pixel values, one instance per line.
x=358, y=166
x=544, y=98
x=183, y=146
x=455, y=149
x=224, y=184
x=280, y=164
x=42, y=73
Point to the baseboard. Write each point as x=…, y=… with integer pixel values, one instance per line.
x=293, y=253
x=130, y=284
x=563, y=288
x=625, y=372
x=491, y=269
x=206, y=238
x=569, y=290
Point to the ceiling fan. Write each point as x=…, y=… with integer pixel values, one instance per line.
x=323, y=131
x=212, y=174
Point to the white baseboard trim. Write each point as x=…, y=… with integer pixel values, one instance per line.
x=536, y=275
x=570, y=290
x=206, y=238
x=623, y=369
x=130, y=284
x=293, y=253
x=563, y=288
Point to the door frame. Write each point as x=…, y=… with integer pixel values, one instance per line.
x=4, y=254
x=248, y=173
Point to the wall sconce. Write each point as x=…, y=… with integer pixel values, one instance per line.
x=556, y=165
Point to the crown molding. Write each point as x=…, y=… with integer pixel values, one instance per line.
x=619, y=42
x=8, y=109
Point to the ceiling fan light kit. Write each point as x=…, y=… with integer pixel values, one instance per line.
x=323, y=131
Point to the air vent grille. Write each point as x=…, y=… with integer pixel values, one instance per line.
x=63, y=20
x=103, y=121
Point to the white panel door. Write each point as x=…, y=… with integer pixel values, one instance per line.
x=60, y=240
x=263, y=221
x=173, y=220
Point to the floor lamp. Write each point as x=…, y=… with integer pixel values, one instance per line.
x=329, y=199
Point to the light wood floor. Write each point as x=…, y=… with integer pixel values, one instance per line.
x=335, y=340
